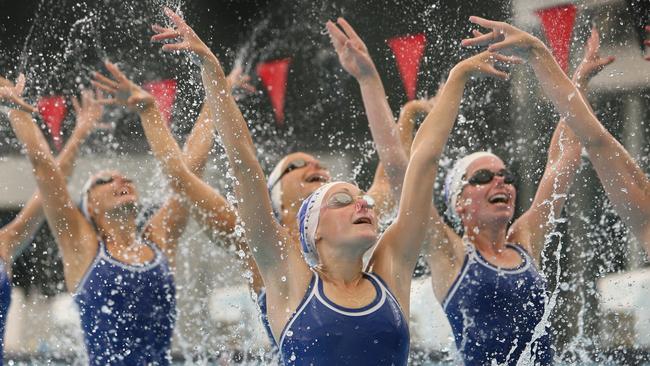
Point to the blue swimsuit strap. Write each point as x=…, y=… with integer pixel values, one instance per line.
x=158, y=258
x=473, y=255
x=305, y=299
x=380, y=298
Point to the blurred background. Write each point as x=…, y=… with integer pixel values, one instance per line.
x=598, y=274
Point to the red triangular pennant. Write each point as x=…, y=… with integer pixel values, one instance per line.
x=53, y=110
x=408, y=52
x=164, y=92
x=557, y=24
x=274, y=77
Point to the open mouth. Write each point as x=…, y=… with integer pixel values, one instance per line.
x=499, y=198
x=362, y=220
x=316, y=178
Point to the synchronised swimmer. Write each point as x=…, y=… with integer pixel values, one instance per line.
x=332, y=286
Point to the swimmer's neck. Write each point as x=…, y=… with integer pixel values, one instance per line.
x=487, y=238
x=120, y=233
x=343, y=266
x=347, y=274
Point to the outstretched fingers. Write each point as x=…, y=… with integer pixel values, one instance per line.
x=163, y=33
x=485, y=23
x=117, y=73
x=172, y=47
x=347, y=28
x=104, y=80
x=508, y=59
x=336, y=35
x=497, y=73
x=20, y=84
x=479, y=39
x=75, y=105
x=101, y=82
x=593, y=43
x=175, y=18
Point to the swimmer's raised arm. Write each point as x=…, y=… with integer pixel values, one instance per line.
x=167, y=225
x=380, y=190
x=170, y=221
x=355, y=59
x=562, y=164
x=270, y=243
x=208, y=207
x=400, y=245
x=73, y=232
x=29, y=219
x=627, y=186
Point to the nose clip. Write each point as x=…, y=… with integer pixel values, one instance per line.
x=365, y=201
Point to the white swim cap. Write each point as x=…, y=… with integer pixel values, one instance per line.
x=308, y=217
x=275, y=188
x=454, y=182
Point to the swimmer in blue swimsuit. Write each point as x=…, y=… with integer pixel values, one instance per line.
x=321, y=303
x=122, y=279
x=20, y=231
x=488, y=279
x=625, y=182
x=293, y=179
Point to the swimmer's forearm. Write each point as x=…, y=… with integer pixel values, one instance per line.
x=68, y=155
x=433, y=133
x=566, y=97
x=199, y=142
x=384, y=131
x=29, y=219
x=57, y=204
x=226, y=115
x=15, y=234
x=162, y=143
x=30, y=135
x=254, y=203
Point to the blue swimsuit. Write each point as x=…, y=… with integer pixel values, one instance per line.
x=261, y=302
x=494, y=311
x=324, y=333
x=127, y=311
x=5, y=300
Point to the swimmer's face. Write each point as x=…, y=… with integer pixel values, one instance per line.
x=487, y=202
x=305, y=176
x=347, y=219
x=111, y=191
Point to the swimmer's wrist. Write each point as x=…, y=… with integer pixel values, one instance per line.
x=369, y=77
x=537, y=49
x=461, y=71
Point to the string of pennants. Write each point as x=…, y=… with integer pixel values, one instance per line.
x=557, y=25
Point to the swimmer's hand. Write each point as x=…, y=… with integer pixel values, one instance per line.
x=11, y=95
x=88, y=111
x=184, y=34
x=237, y=80
x=483, y=63
x=353, y=53
x=503, y=37
x=123, y=91
x=592, y=63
